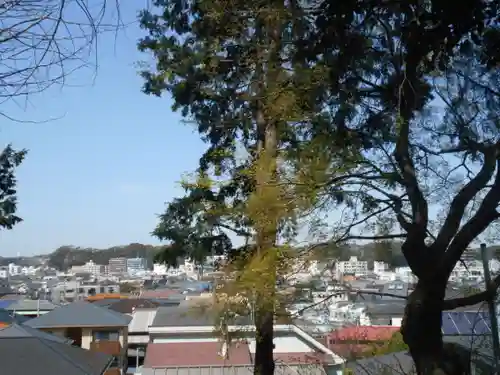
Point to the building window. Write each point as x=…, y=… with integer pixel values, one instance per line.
x=101, y=290
x=106, y=336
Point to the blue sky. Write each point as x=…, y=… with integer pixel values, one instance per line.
x=100, y=171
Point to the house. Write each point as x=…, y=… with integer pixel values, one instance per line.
x=395, y=290
x=24, y=350
x=178, y=331
x=351, y=342
x=138, y=333
x=30, y=308
x=128, y=306
x=75, y=290
x=382, y=312
x=90, y=327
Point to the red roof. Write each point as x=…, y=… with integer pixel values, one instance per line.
x=185, y=354
x=200, y=354
x=362, y=334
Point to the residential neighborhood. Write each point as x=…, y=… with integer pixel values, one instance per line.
x=155, y=329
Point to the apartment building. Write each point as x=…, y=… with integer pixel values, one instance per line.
x=353, y=266
x=117, y=266
x=75, y=290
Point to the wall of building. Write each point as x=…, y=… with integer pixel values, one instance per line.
x=290, y=344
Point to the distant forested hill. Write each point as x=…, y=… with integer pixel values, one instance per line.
x=66, y=256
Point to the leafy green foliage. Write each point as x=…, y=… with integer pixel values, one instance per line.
x=394, y=345
x=9, y=161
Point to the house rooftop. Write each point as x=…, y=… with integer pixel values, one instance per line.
x=24, y=350
x=127, y=306
x=207, y=354
x=80, y=314
x=188, y=316
x=30, y=305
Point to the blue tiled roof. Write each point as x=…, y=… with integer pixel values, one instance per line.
x=4, y=303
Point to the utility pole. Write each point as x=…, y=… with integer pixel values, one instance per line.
x=491, y=305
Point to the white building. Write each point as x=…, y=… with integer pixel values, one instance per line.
x=136, y=265
x=405, y=274
x=4, y=273
x=14, y=269
x=468, y=271
x=353, y=266
x=89, y=267
x=160, y=269
x=380, y=267
x=28, y=271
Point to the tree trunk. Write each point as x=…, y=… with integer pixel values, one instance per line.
x=264, y=360
x=421, y=330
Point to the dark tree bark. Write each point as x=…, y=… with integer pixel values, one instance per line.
x=421, y=331
x=264, y=360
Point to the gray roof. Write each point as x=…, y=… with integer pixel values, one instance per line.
x=31, y=305
x=397, y=288
x=399, y=363
x=481, y=347
x=80, y=314
x=16, y=331
x=10, y=317
x=24, y=350
x=185, y=316
x=386, y=308
x=402, y=363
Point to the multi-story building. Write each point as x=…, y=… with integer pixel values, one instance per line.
x=117, y=265
x=91, y=268
x=471, y=270
x=380, y=267
x=94, y=269
x=353, y=266
x=75, y=290
x=136, y=265
x=14, y=269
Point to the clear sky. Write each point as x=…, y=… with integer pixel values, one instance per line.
x=97, y=174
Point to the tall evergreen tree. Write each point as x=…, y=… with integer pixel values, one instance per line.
x=239, y=71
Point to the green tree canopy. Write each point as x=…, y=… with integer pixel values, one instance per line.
x=332, y=106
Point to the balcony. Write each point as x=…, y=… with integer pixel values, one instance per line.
x=106, y=347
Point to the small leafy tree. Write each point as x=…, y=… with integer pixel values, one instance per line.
x=393, y=345
x=10, y=159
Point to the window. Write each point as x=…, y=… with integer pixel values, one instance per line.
x=106, y=336
x=101, y=289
